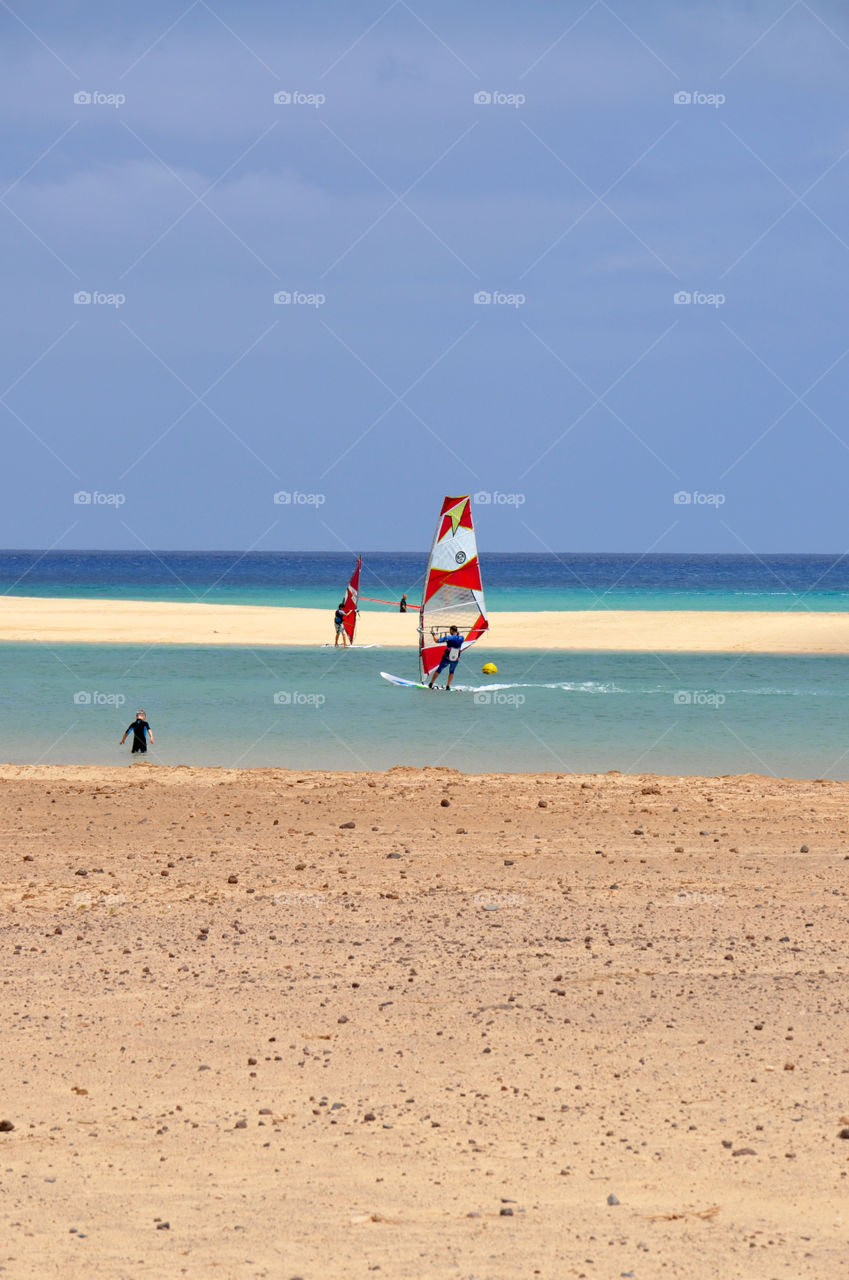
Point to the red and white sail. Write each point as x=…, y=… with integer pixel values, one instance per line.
x=452, y=592
x=349, y=605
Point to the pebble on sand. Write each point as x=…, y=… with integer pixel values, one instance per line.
x=6, y=1126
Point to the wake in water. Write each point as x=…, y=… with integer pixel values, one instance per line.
x=666, y=690
x=569, y=686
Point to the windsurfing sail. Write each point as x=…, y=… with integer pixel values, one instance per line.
x=452, y=592
x=349, y=605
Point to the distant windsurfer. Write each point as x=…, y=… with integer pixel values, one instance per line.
x=138, y=729
x=402, y=603
x=339, y=624
x=453, y=644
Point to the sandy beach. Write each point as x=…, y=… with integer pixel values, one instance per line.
x=52, y=621
x=277, y=1024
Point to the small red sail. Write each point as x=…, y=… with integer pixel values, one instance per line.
x=349, y=606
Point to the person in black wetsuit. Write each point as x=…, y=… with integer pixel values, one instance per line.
x=402, y=603
x=138, y=727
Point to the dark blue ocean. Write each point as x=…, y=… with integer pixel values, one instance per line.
x=512, y=582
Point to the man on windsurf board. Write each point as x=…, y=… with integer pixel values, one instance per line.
x=453, y=644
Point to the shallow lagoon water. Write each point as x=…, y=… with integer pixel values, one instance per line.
x=321, y=708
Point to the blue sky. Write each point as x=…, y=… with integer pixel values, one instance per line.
x=581, y=198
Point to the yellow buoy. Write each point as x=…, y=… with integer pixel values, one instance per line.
x=489, y=669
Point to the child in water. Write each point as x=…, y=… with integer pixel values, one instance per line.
x=139, y=727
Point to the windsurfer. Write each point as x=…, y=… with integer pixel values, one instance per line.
x=453, y=644
x=339, y=624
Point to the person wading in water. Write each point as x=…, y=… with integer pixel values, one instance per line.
x=138, y=728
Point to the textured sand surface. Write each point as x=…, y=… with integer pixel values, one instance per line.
x=228, y=1010
x=153, y=622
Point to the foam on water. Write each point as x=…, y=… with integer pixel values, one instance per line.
x=569, y=686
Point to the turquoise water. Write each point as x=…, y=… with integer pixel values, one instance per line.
x=675, y=714
x=499, y=600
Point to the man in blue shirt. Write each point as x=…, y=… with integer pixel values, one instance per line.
x=453, y=644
